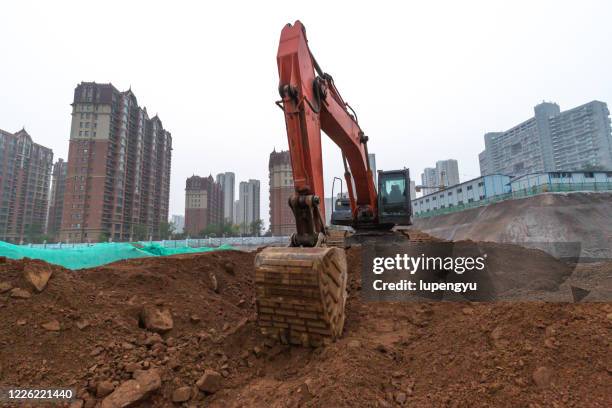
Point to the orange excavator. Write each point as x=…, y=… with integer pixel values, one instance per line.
x=301, y=289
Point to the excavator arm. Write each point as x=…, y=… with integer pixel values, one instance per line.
x=312, y=103
x=301, y=289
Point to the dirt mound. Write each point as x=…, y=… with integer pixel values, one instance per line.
x=564, y=225
x=86, y=330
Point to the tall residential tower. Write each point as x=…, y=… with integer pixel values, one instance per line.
x=25, y=172
x=248, y=209
x=118, y=181
x=203, y=204
x=281, y=188
x=227, y=181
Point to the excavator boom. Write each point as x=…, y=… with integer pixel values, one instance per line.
x=311, y=104
x=301, y=290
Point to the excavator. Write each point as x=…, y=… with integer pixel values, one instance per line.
x=301, y=289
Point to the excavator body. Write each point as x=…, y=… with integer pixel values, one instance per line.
x=301, y=289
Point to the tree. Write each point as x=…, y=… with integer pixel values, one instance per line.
x=225, y=228
x=34, y=234
x=256, y=227
x=166, y=229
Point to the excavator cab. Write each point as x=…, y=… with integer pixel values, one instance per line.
x=394, y=201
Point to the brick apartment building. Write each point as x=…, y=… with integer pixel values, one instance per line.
x=203, y=204
x=56, y=197
x=281, y=188
x=118, y=181
x=25, y=172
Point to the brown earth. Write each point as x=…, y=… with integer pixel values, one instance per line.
x=563, y=224
x=392, y=354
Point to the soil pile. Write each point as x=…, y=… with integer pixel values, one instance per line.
x=180, y=331
x=565, y=225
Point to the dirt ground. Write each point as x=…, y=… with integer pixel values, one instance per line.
x=392, y=354
x=562, y=224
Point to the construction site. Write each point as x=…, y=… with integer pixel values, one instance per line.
x=182, y=330
x=514, y=309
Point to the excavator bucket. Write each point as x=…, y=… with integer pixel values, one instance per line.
x=301, y=294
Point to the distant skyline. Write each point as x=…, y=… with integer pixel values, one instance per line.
x=427, y=80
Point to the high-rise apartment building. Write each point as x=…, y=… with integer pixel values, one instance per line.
x=56, y=197
x=248, y=209
x=429, y=180
x=203, y=204
x=25, y=172
x=282, y=221
x=179, y=223
x=447, y=172
x=118, y=182
x=227, y=181
x=576, y=139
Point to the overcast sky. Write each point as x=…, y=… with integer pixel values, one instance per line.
x=427, y=79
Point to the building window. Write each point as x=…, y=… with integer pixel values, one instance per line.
x=469, y=188
x=480, y=184
x=482, y=197
x=450, y=193
x=459, y=190
x=589, y=175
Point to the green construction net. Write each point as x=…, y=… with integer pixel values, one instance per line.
x=96, y=254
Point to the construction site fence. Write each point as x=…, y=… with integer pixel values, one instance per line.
x=527, y=192
x=186, y=243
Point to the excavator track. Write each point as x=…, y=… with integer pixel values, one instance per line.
x=301, y=294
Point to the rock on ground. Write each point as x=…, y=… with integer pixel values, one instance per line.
x=542, y=376
x=210, y=382
x=104, y=388
x=52, y=325
x=19, y=293
x=181, y=394
x=157, y=319
x=37, y=275
x=133, y=391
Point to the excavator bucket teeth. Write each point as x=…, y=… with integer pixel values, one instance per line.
x=301, y=294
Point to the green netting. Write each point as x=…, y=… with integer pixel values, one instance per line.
x=158, y=250
x=96, y=254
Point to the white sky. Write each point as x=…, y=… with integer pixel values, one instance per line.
x=427, y=79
